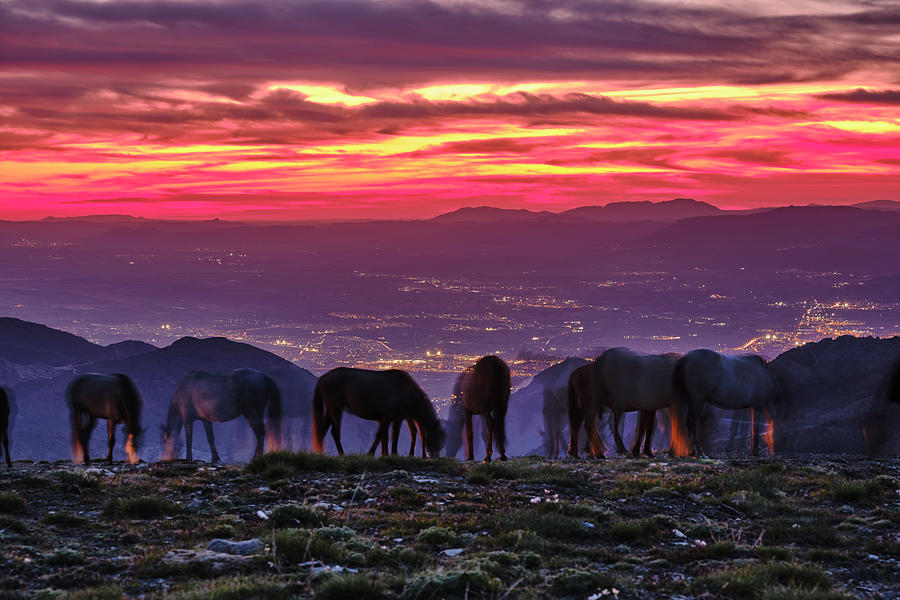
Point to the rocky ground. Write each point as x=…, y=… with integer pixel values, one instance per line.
x=306, y=526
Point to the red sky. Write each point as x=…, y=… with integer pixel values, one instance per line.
x=402, y=108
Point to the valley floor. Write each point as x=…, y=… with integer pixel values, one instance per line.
x=360, y=527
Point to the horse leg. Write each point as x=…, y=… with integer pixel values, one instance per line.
x=693, y=417
x=6, y=448
x=617, y=423
x=649, y=425
x=259, y=430
x=380, y=436
x=638, y=436
x=395, y=436
x=207, y=425
x=470, y=451
x=489, y=422
x=336, y=432
x=85, y=431
x=189, y=439
x=590, y=425
x=574, y=428
x=413, y=431
x=754, y=420
x=111, y=438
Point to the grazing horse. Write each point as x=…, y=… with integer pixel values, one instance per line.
x=624, y=381
x=388, y=397
x=704, y=377
x=554, y=383
x=583, y=409
x=4, y=423
x=111, y=397
x=484, y=390
x=221, y=397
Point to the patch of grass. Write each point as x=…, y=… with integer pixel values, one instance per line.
x=633, y=530
x=762, y=481
x=450, y=584
x=357, y=587
x=223, y=531
x=405, y=497
x=277, y=465
x=295, y=515
x=66, y=557
x=10, y=502
x=65, y=519
x=755, y=580
x=105, y=592
x=819, y=533
x=8, y=523
x=237, y=588
x=579, y=582
x=798, y=593
x=548, y=524
x=299, y=545
x=73, y=479
x=525, y=471
x=773, y=553
x=143, y=507
x=866, y=490
x=715, y=551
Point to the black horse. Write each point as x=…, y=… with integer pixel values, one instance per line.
x=385, y=396
x=222, y=397
x=483, y=389
x=4, y=423
x=110, y=397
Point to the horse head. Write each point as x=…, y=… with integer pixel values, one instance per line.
x=434, y=438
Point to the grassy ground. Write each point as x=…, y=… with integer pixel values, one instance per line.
x=362, y=528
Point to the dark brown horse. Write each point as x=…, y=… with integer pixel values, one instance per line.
x=222, y=397
x=704, y=377
x=110, y=397
x=583, y=410
x=4, y=423
x=483, y=389
x=384, y=396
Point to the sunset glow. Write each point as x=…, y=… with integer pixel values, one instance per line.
x=296, y=110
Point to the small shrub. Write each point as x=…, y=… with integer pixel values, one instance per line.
x=295, y=515
x=357, y=587
x=799, y=593
x=277, y=465
x=449, y=584
x=773, y=553
x=144, y=507
x=224, y=531
x=66, y=557
x=298, y=545
x=73, y=479
x=437, y=537
x=10, y=503
x=406, y=497
x=335, y=534
x=549, y=523
x=861, y=491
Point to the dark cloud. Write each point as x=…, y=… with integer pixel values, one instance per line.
x=366, y=43
x=864, y=96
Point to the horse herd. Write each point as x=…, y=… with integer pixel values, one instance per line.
x=617, y=381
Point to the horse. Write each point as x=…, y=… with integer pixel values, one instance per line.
x=111, y=397
x=704, y=377
x=484, y=389
x=583, y=409
x=221, y=397
x=554, y=381
x=4, y=423
x=385, y=396
x=624, y=381
x=413, y=431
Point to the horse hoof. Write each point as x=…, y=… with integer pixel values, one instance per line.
x=503, y=457
x=487, y=460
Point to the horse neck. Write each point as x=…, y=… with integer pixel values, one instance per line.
x=424, y=410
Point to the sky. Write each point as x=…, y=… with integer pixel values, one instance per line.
x=333, y=109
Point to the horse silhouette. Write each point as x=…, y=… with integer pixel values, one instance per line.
x=111, y=397
x=221, y=397
x=704, y=377
x=554, y=382
x=624, y=381
x=413, y=431
x=4, y=423
x=483, y=389
x=388, y=397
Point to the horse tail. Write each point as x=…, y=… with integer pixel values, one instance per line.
x=678, y=411
x=318, y=420
x=273, y=422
